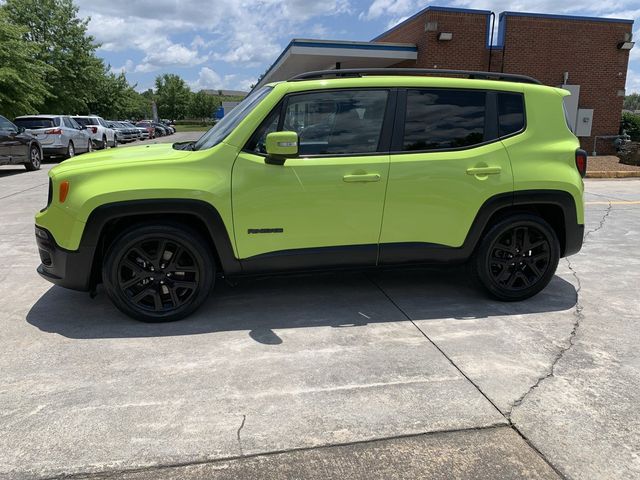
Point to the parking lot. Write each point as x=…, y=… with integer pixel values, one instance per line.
x=398, y=374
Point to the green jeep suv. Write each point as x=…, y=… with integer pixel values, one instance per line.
x=330, y=169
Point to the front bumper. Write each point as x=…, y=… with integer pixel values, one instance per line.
x=69, y=269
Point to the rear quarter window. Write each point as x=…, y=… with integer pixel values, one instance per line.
x=511, y=115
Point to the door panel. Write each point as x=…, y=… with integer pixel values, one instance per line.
x=447, y=162
x=434, y=197
x=306, y=203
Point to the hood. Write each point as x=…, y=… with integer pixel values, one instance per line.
x=120, y=156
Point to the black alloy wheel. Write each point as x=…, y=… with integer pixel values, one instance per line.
x=158, y=273
x=518, y=257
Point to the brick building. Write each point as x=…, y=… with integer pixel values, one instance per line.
x=588, y=56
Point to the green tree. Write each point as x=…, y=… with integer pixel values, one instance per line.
x=173, y=96
x=631, y=124
x=59, y=39
x=202, y=105
x=632, y=102
x=22, y=84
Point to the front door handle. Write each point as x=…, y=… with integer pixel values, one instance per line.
x=484, y=170
x=364, y=177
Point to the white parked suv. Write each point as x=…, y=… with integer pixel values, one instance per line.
x=101, y=135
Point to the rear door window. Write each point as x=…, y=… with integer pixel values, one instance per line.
x=510, y=113
x=441, y=119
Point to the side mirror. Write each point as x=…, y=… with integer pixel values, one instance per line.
x=280, y=146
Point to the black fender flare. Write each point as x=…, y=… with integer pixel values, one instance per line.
x=204, y=211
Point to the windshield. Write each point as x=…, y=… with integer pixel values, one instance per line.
x=220, y=130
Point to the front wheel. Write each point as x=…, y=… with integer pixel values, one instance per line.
x=517, y=257
x=158, y=273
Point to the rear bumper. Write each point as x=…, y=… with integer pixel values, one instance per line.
x=573, y=242
x=54, y=150
x=69, y=269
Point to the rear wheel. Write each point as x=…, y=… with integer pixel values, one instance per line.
x=104, y=142
x=115, y=142
x=517, y=258
x=90, y=146
x=158, y=273
x=35, y=159
x=71, y=151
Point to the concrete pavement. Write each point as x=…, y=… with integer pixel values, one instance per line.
x=312, y=366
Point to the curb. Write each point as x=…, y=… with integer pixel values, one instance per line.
x=614, y=174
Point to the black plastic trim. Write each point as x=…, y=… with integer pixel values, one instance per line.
x=198, y=208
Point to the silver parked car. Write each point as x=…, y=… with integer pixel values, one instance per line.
x=124, y=133
x=59, y=135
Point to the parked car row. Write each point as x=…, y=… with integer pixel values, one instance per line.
x=156, y=129
x=31, y=138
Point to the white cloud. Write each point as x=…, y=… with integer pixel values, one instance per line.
x=209, y=79
x=390, y=8
x=127, y=67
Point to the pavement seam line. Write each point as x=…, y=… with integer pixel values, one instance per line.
x=105, y=474
x=22, y=191
x=579, y=316
x=477, y=387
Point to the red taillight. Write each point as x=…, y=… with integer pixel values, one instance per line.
x=93, y=129
x=53, y=131
x=581, y=162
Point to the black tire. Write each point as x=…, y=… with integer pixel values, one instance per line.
x=90, y=146
x=169, y=287
x=115, y=142
x=104, y=142
x=517, y=257
x=35, y=159
x=71, y=150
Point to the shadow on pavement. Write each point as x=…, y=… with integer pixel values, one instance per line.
x=260, y=305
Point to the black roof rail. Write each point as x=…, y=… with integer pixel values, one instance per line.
x=358, y=72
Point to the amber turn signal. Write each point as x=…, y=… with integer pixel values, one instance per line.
x=64, y=191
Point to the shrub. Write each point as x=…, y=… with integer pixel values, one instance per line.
x=631, y=124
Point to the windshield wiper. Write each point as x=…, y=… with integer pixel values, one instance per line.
x=184, y=145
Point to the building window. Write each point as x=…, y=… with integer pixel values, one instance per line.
x=439, y=119
x=510, y=113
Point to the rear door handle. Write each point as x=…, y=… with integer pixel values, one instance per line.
x=365, y=177
x=484, y=170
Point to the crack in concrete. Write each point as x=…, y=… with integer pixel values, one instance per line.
x=244, y=418
x=602, y=222
x=579, y=316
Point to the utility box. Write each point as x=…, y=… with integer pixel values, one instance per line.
x=583, y=122
x=571, y=105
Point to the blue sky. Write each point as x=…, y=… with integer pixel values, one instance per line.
x=227, y=44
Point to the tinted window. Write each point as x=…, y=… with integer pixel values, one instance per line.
x=67, y=122
x=84, y=121
x=338, y=122
x=35, y=122
x=510, y=113
x=258, y=140
x=6, y=124
x=440, y=119
x=74, y=124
